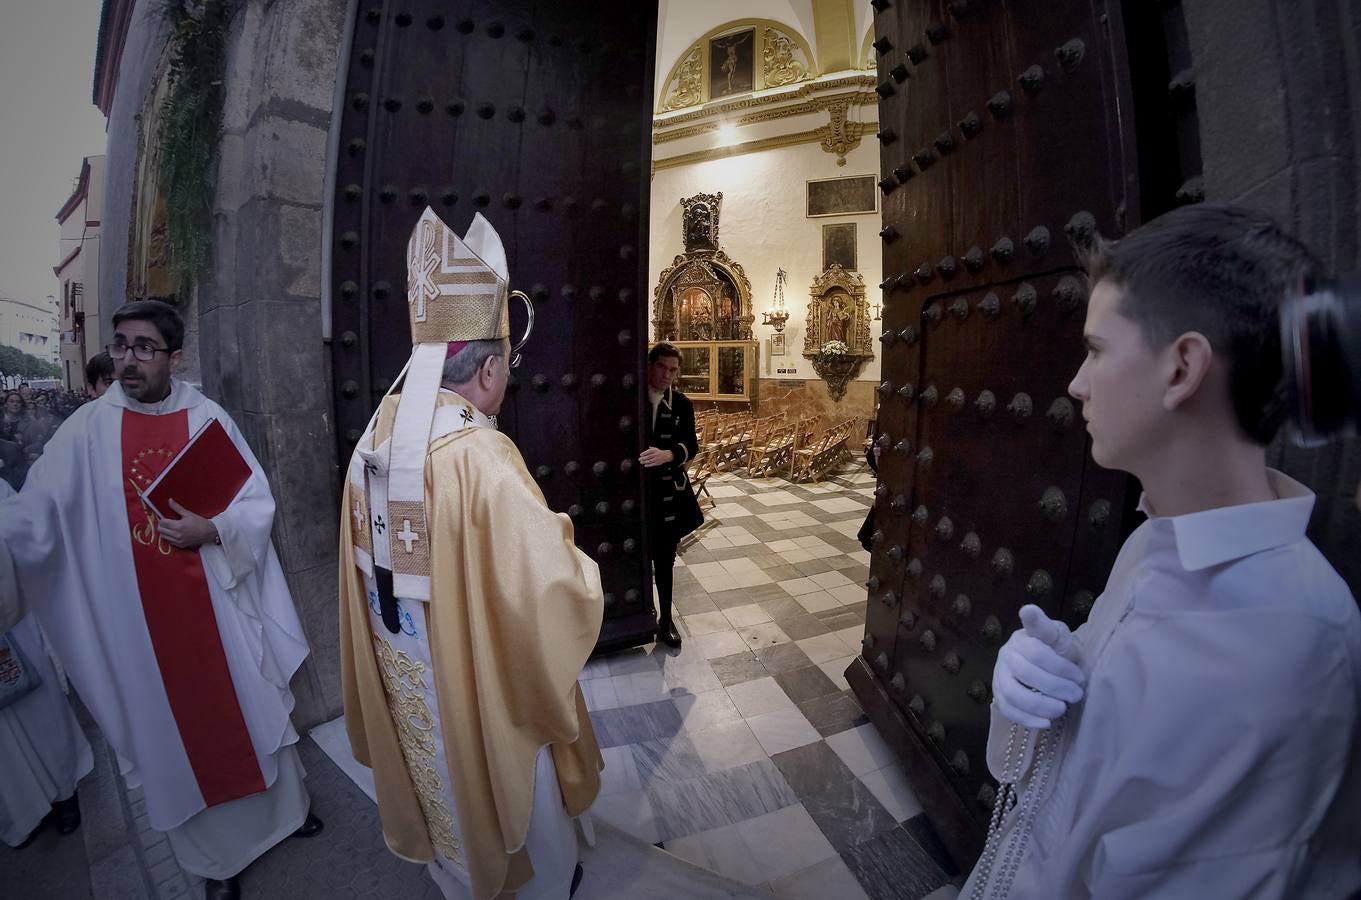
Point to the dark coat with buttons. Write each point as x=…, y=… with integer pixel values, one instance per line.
x=674, y=511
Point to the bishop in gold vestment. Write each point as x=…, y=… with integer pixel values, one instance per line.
x=466, y=610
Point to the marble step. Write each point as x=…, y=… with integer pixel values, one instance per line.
x=622, y=866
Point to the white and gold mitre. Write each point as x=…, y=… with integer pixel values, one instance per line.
x=457, y=291
x=457, y=288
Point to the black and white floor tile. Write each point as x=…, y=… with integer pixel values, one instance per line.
x=745, y=752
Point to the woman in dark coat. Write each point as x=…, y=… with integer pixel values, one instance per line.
x=671, y=444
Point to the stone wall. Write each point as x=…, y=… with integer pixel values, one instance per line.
x=1285, y=81
x=259, y=311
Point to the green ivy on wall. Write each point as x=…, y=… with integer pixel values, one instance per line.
x=191, y=130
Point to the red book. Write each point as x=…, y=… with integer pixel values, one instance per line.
x=204, y=477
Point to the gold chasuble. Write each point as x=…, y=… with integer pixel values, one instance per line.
x=479, y=567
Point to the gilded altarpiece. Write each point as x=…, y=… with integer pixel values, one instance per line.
x=838, y=317
x=702, y=303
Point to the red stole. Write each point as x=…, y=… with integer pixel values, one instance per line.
x=183, y=627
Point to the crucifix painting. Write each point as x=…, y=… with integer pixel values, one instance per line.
x=732, y=63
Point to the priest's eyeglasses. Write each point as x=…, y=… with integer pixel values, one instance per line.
x=143, y=351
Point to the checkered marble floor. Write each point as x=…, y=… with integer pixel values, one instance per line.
x=745, y=752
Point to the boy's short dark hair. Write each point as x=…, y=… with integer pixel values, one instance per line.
x=660, y=350
x=1221, y=271
x=158, y=313
x=98, y=368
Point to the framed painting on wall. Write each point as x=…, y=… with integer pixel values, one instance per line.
x=732, y=63
x=838, y=246
x=777, y=344
x=849, y=196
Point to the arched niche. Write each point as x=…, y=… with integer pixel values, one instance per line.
x=702, y=296
x=838, y=311
x=780, y=56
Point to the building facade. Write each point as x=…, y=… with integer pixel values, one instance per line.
x=77, y=272
x=31, y=326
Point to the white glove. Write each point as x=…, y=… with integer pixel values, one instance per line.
x=1037, y=676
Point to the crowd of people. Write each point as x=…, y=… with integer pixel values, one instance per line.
x=29, y=417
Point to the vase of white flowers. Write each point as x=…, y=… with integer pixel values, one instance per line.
x=833, y=349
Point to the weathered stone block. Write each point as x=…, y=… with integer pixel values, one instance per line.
x=242, y=60
x=304, y=480
x=287, y=160
x=1326, y=207
x=234, y=181
x=1239, y=97
x=317, y=684
x=304, y=51
x=277, y=252
x=220, y=350
x=281, y=345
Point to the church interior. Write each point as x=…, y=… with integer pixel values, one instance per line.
x=765, y=265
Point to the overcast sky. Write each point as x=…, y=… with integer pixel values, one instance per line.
x=47, y=124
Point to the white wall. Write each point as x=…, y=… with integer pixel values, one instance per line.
x=764, y=227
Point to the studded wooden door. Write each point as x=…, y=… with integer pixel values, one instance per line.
x=537, y=115
x=1004, y=143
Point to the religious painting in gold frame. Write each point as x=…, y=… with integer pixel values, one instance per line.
x=848, y=196
x=732, y=63
x=838, y=246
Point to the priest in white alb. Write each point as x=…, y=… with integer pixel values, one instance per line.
x=179, y=633
x=43, y=751
x=466, y=610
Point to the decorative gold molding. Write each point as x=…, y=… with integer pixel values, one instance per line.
x=770, y=143
x=779, y=65
x=841, y=136
x=688, y=88
x=805, y=89
x=663, y=137
x=816, y=104
x=786, y=38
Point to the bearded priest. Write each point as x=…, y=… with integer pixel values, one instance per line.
x=179, y=633
x=467, y=611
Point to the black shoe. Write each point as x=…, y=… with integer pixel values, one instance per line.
x=67, y=814
x=311, y=827
x=668, y=635
x=576, y=882
x=226, y=889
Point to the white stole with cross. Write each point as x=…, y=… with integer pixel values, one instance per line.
x=404, y=660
